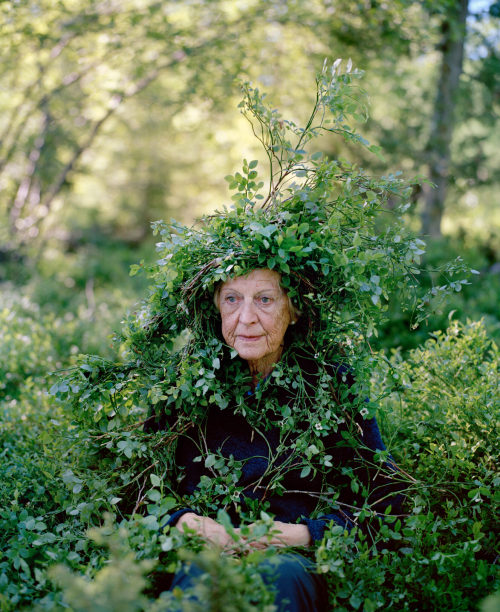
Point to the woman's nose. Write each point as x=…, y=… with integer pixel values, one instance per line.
x=248, y=313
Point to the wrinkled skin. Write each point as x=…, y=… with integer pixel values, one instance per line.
x=255, y=314
x=283, y=534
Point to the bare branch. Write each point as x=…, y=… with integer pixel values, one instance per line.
x=17, y=118
x=25, y=185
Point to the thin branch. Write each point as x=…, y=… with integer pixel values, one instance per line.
x=140, y=498
x=56, y=51
x=25, y=185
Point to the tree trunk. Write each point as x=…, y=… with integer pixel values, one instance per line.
x=438, y=146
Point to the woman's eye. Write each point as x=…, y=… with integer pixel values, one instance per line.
x=230, y=299
x=265, y=300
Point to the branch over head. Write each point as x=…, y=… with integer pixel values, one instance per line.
x=323, y=224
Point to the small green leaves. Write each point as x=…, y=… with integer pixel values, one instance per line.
x=210, y=461
x=245, y=185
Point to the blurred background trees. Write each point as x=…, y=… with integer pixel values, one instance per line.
x=115, y=114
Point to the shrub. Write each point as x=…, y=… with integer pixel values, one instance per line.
x=441, y=425
x=475, y=300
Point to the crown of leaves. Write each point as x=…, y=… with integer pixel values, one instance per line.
x=334, y=233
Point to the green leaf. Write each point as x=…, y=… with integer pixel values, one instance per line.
x=155, y=481
x=306, y=470
x=210, y=460
x=154, y=495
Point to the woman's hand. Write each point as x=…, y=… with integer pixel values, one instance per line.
x=283, y=535
x=208, y=529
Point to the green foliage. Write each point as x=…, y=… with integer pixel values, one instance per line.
x=65, y=305
x=324, y=225
x=43, y=516
x=443, y=429
x=120, y=157
x=26, y=351
x=36, y=342
x=318, y=227
x=449, y=409
x=228, y=584
x=440, y=426
x=70, y=457
x=35, y=530
x=474, y=300
x=116, y=586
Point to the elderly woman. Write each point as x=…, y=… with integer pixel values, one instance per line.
x=261, y=409
x=256, y=316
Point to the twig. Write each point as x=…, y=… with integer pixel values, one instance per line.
x=140, y=498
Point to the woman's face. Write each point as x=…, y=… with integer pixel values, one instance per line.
x=255, y=315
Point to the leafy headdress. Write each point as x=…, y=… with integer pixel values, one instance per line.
x=335, y=234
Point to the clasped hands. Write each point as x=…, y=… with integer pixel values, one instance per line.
x=281, y=535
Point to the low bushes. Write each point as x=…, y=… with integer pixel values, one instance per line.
x=439, y=420
x=441, y=424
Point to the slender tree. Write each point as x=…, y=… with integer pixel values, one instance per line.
x=437, y=151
